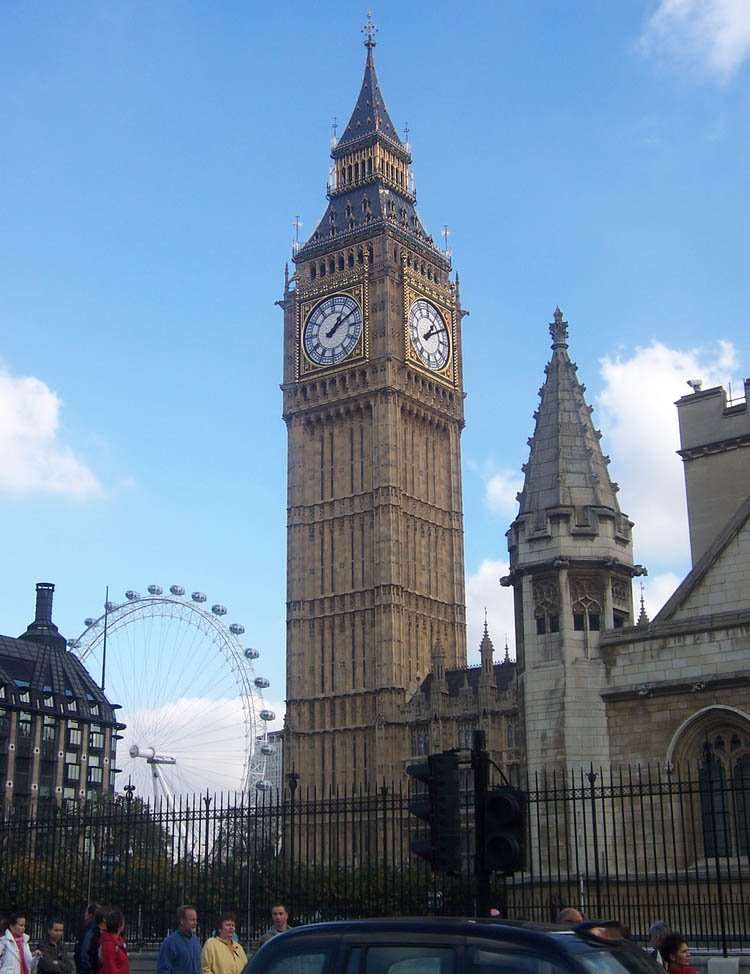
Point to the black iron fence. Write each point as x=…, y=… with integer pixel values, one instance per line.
x=636, y=845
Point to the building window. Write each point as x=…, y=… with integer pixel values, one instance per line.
x=96, y=739
x=75, y=738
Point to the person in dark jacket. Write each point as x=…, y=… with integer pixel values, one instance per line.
x=180, y=952
x=53, y=957
x=81, y=950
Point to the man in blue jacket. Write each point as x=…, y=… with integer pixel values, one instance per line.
x=180, y=952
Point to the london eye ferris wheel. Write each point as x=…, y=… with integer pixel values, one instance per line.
x=193, y=708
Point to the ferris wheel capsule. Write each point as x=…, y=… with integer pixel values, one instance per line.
x=263, y=785
x=262, y=683
x=177, y=590
x=267, y=715
x=219, y=610
x=267, y=748
x=198, y=597
x=111, y=606
x=236, y=628
x=154, y=590
x=131, y=596
x=73, y=643
x=91, y=622
x=251, y=653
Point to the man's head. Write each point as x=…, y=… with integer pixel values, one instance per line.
x=187, y=920
x=569, y=915
x=91, y=909
x=55, y=930
x=279, y=916
x=657, y=932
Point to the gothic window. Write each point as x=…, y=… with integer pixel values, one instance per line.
x=547, y=607
x=465, y=735
x=512, y=733
x=313, y=272
x=331, y=266
x=586, y=615
x=719, y=739
x=350, y=258
x=341, y=262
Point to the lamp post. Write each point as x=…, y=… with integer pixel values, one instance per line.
x=292, y=779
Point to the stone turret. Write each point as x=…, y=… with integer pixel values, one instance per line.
x=571, y=568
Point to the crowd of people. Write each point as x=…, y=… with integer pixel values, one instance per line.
x=101, y=947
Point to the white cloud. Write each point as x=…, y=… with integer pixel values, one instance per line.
x=484, y=593
x=639, y=421
x=656, y=590
x=500, y=493
x=709, y=35
x=33, y=457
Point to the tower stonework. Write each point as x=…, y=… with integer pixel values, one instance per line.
x=571, y=569
x=373, y=403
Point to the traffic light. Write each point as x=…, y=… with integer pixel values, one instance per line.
x=505, y=830
x=440, y=808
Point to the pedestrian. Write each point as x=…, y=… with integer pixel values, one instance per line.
x=569, y=915
x=180, y=952
x=113, y=952
x=15, y=954
x=81, y=949
x=222, y=954
x=279, y=922
x=676, y=954
x=53, y=957
x=656, y=934
x=99, y=924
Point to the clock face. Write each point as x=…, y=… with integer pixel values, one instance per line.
x=429, y=334
x=333, y=329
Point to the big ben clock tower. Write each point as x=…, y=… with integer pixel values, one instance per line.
x=373, y=403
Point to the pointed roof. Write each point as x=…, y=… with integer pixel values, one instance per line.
x=363, y=202
x=566, y=466
x=370, y=116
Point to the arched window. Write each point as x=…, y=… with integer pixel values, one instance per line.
x=587, y=615
x=717, y=739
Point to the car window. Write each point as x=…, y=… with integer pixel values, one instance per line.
x=402, y=959
x=623, y=962
x=490, y=961
x=302, y=962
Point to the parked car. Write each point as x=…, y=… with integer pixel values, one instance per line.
x=451, y=946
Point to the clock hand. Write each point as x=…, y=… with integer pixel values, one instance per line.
x=434, y=330
x=339, y=321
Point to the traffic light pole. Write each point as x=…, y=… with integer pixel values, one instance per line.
x=481, y=764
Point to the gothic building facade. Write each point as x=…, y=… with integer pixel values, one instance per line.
x=373, y=403
x=376, y=653
x=58, y=732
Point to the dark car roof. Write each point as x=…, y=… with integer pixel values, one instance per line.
x=557, y=939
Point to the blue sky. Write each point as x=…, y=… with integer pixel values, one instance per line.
x=154, y=158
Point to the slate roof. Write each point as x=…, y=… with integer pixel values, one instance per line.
x=370, y=116
x=358, y=212
x=505, y=674
x=39, y=663
x=566, y=466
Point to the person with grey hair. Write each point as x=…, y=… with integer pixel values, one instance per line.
x=656, y=934
x=180, y=952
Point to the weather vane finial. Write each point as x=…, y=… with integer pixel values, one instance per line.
x=370, y=29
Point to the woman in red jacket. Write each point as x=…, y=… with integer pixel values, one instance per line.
x=676, y=954
x=112, y=950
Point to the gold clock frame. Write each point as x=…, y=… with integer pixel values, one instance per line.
x=415, y=287
x=352, y=285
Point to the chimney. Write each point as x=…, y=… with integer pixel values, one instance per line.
x=43, y=629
